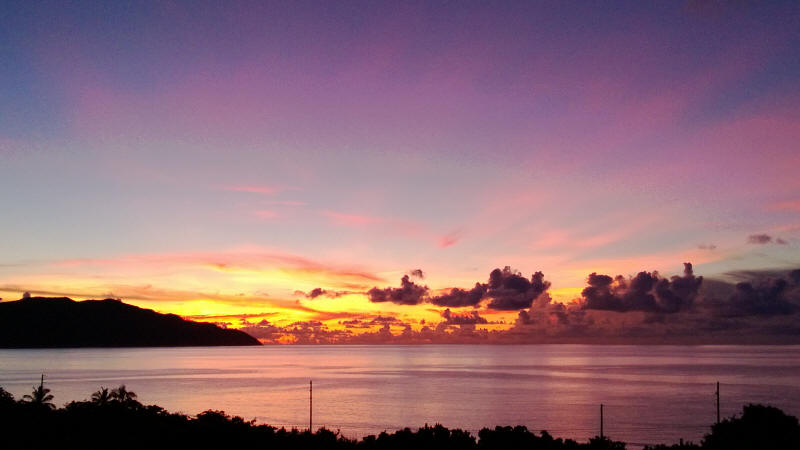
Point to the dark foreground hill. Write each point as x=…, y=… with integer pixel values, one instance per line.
x=40, y=322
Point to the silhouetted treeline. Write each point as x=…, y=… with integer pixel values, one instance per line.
x=41, y=322
x=114, y=419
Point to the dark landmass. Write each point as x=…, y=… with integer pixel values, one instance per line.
x=115, y=419
x=41, y=322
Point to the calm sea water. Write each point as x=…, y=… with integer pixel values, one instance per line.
x=651, y=393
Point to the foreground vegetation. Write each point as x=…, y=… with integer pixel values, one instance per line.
x=114, y=419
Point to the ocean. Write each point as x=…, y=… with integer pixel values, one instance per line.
x=651, y=394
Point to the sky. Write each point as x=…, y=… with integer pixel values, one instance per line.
x=282, y=166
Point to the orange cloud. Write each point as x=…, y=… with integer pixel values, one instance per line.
x=247, y=280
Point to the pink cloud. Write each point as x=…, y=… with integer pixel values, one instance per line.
x=351, y=220
x=394, y=227
x=792, y=205
x=255, y=258
x=255, y=189
x=288, y=203
x=449, y=239
x=266, y=214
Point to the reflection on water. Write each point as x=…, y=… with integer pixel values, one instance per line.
x=650, y=393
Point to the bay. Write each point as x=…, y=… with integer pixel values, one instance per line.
x=651, y=394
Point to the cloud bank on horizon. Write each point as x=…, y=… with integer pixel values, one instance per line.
x=644, y=308
x=745, y=307
x=327, y=172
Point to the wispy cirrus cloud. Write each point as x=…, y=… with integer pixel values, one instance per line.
x=449, y=239
x=253, y=257
x=791, y=205
x=143, y=292
x=265, y=214
x=253, y=189
x=287, y=203
x=192, y=282
x=394, y=227
x=351, y=220
x=192, y=304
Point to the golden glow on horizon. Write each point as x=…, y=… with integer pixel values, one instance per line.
x=244, y=287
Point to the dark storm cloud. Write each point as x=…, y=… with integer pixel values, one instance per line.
x=506, y=290
x=417, y=273
x=509, y=290
x=750, y=307
x=548, y=313
x=409, y=293
x=599, y=294
x=762, y=239
x=319, y=292
x=794, y=276
x=316, y=292
x=380, y=320
x=756, y=307
x=765, y=295
x=759, y=239
x=354, y=323
x=679, y=293
x=763, y=299
x=647, y=292
x=371, y=322
x=458, y=297
x=472, y=318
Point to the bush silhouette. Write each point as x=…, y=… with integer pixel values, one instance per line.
x=6, y=398
x=760, y=427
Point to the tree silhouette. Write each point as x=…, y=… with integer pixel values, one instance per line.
x=761, y=427
x=40, y=396
x=5, y=397
x=101, y=397
x=123, y=395
x=90, y=425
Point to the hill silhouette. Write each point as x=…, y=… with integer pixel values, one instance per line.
x=42, y=322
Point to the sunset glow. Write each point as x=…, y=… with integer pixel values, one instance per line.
x=281, y=168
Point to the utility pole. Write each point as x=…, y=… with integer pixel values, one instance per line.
x=601, y=421
x=310, y=406
x=717, y=393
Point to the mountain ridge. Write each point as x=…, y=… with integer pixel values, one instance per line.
x=60, y=322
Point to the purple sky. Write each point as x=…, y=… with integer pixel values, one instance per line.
x=379, y=137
